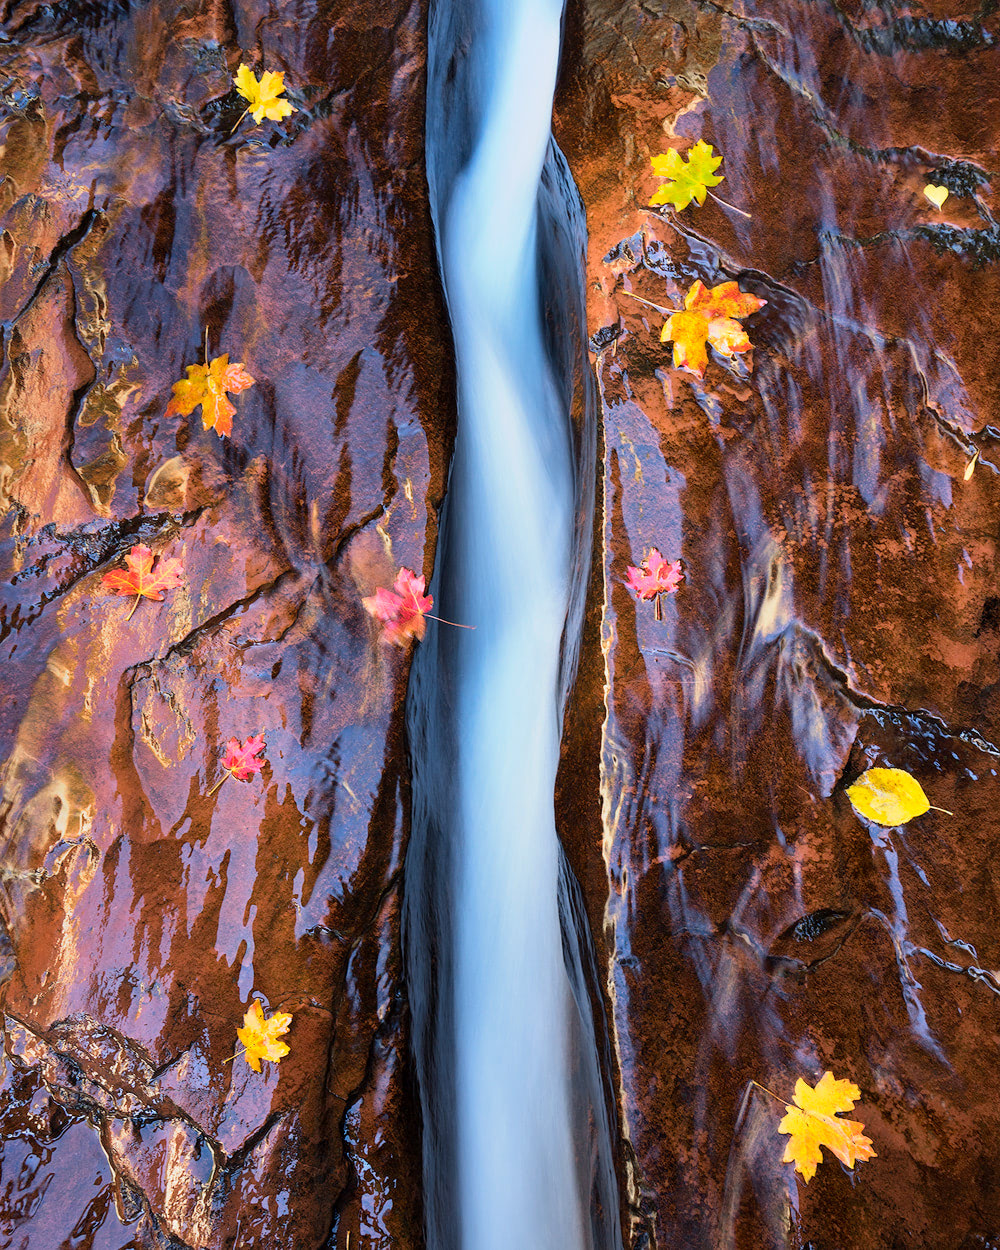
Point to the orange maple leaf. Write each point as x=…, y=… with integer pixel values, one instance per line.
x=140, y=580
x=709, y=316
x=401, y=610
x=207, y=385
x=260, y=1036
x=813, y=1122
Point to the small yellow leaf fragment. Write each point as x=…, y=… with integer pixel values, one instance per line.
x=813, y=1122
x=936, y=195
x=888, y=796
x=970, y=468
x=260, y=1036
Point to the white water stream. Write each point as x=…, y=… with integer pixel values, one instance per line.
x=517, y=1171
x=522, y=1169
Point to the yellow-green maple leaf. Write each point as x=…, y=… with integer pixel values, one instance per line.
x=813, y=1122
x=263, y=95
x=688, y=181
x=888, y=796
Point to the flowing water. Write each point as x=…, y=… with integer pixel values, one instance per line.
x=505, y=1041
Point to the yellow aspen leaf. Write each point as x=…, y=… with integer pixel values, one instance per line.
x=687, y=180
x=936, y=195
x=207, y=385
x=812, y=1121
x=970, y=468
x=888, y=796
x=263, y=95
x=260, y=1037
x=709, y=316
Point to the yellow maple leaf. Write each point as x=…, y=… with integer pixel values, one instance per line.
x=207, y=385
x=263, y=95
x=260, y=1036
x=888, y=796
x=813, y=1122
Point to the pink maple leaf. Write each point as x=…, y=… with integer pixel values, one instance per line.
x=655, y=576
x=242, y=761
x=401, y=610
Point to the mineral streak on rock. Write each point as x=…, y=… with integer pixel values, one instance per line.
x=839, y=611
x=141, y=915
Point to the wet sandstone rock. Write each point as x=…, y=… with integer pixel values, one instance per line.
x=839, y=611
x=141, y=914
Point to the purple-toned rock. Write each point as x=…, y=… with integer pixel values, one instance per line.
x=143, y=913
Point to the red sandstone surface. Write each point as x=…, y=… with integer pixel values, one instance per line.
x=141, y=915
x=840, y=610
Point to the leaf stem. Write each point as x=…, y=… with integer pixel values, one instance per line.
x=765, y=1090
x=240, y=118
x=726, y=204
x=430, y=616
x=134, y=606
x=242, y=1051
x=667, y=312
x=217, y=784
x=940, y=809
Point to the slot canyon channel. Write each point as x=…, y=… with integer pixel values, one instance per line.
x=545, y=890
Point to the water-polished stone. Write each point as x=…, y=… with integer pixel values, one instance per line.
x=839, y=611
x=142, y=913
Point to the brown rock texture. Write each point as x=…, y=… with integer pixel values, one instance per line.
x=839, y=611
x=142, y=914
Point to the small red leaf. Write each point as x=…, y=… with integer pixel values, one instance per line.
x=242, y=760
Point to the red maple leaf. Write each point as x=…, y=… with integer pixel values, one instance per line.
x=140, y=580
x=401, y=610
x=241, y=761
x=655, y=576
